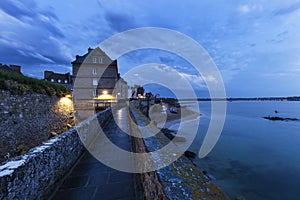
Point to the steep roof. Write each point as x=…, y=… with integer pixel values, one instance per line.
x=80, y=59
x=6, y=68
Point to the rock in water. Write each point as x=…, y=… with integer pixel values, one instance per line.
x=281, y=118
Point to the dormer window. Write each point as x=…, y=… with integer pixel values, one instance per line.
x=95, y=59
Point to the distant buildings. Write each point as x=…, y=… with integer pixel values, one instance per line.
x=122, y=89
x=137, y=91
x=11, y=68
x=64, y=79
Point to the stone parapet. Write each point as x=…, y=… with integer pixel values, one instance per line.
x=35, y=174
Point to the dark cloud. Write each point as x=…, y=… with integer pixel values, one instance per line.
x=30, y=35
x=282, y=33
x=11, y=56
x=120, y=21
x=51, y=14
x=288, y=10
x=31, y=13
x=40, y=34
x=18, y=9
x=166, y=59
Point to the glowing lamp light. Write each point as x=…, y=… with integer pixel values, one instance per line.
x=105, y=92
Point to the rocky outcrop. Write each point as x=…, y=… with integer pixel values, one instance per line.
x=280, y=118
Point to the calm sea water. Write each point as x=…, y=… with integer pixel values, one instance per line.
x=254, y=157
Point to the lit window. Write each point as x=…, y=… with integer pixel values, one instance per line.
x=95, y=82
x=59, y=80
x=66, y=81
x=52, y=80
x=94, y=71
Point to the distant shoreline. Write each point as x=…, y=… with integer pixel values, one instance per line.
x=176, y=118
x=242, y=99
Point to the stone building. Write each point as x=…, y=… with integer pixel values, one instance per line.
x=137, y=91
x=122, y=90
x=63, y=79
x=11, y=68
x=96, y=78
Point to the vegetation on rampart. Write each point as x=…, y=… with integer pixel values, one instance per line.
x=18, y=84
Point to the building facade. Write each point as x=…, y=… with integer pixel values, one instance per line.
x=96, y=79
x=122, y=90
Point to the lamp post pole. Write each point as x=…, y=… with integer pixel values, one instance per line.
x=148, y=96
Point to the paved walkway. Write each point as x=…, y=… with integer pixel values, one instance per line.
x=90, y=179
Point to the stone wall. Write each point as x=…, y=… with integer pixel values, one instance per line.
x=34, y=175
x=28, y=120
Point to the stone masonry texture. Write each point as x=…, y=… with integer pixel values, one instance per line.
x=28, y=120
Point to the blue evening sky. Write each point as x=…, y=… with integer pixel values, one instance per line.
x=254, y=43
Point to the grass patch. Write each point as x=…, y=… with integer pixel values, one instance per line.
x=18, y=84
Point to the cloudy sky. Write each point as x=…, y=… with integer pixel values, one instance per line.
x=255, y=43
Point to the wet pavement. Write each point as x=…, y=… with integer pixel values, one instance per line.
x=90, y=179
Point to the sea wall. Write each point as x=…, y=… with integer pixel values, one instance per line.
x=179, y=180
x=152, y=188
x=35, y=174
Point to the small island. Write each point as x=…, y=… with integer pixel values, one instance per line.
x=275, y=118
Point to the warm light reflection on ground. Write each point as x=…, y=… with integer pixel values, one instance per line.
x=105, y=97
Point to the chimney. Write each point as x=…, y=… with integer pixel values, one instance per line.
x=90, y=49
x=15, y=68
x=47, y=74
x=68, y=77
